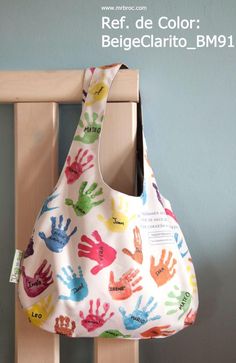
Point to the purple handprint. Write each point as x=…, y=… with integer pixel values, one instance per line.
x=58, y=238
x=35, y=285
x=30, y=248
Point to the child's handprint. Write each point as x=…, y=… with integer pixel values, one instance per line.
x=179, y=244
x=163, y=271
x=77, y=285
x=94, y=321
x=96, y=250
x=119, y=220
x=45, y=208
x=89, y=129
x=97, y=91
x=139, y=316
x=182, y=302
x=35, y=285
x=64, y=326
x=190, y=318
x=144, y=193
x=125, y=286
x=75, y=169
x=158, y=331
x=85, y=199
x=58, y=238
x=192, y=276
x=30, y=248
x=138, y=253
x=112, y=333
x=168, y=211
x=39, y=312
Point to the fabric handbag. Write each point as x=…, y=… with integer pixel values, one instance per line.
x=102, y=263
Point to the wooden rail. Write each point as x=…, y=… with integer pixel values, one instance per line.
x=62, y=86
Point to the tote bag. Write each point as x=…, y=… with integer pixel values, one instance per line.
x=102, y=263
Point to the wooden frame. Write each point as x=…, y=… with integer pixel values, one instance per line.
x=36, y=131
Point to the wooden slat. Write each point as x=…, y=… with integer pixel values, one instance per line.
x=63, y=86
x=117, y=159
x=36, y=150
x=118, y=151
x=36, y=128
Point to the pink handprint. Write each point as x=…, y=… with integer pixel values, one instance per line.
x=94, y=321
x=96, y=250
x=35, y=285
x=75, y=169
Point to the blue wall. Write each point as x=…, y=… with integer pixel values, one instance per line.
x=189, y=116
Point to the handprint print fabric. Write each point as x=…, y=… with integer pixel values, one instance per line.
x=158, y=331
x=82, y=162
x=100, y=262
x=137, y=255
x=180, y=301
x=164, y=270
x=119, y=219
x=64, y=326
x=140, y=315
x=77, y=286
x=39, y=313
x=42, y=278
x=96, y=250
x=95, y=319
x=91, y=128
x=127, y=284
x=58, y=237
x=85, y=199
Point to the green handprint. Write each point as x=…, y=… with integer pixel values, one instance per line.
x=182, y=302
x=91, y=128
x=85, y=199
x=113, y=334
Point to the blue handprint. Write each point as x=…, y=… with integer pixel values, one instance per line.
x=179, y=244
x=77, y=285
x=139, y=316
x=58, y=238
x=144, y=193
x=45, y=207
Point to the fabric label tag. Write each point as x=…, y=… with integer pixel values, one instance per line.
x=157, y=227
x=15, y=270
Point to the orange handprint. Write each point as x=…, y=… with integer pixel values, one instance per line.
x=64, y=326
x=138, y=253
x=158, y=331
x=162, y=272
x=125, y=286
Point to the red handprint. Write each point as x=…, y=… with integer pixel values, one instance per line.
x=138, y=253
x=34, y=286
x=64, y=326
x=190, y=318
x=163, y=271
x=96, y=250
x=94, y=321
x=125, y=286
x=158, y=331
x=76, y=168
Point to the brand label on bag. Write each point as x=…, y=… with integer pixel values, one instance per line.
x=157, y=227
x=15, y=270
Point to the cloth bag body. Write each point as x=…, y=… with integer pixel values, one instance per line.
x=101, y=262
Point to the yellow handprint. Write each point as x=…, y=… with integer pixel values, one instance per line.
x=192, y=277
x=119, y=220
x=39, y=312
x=97, y=92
